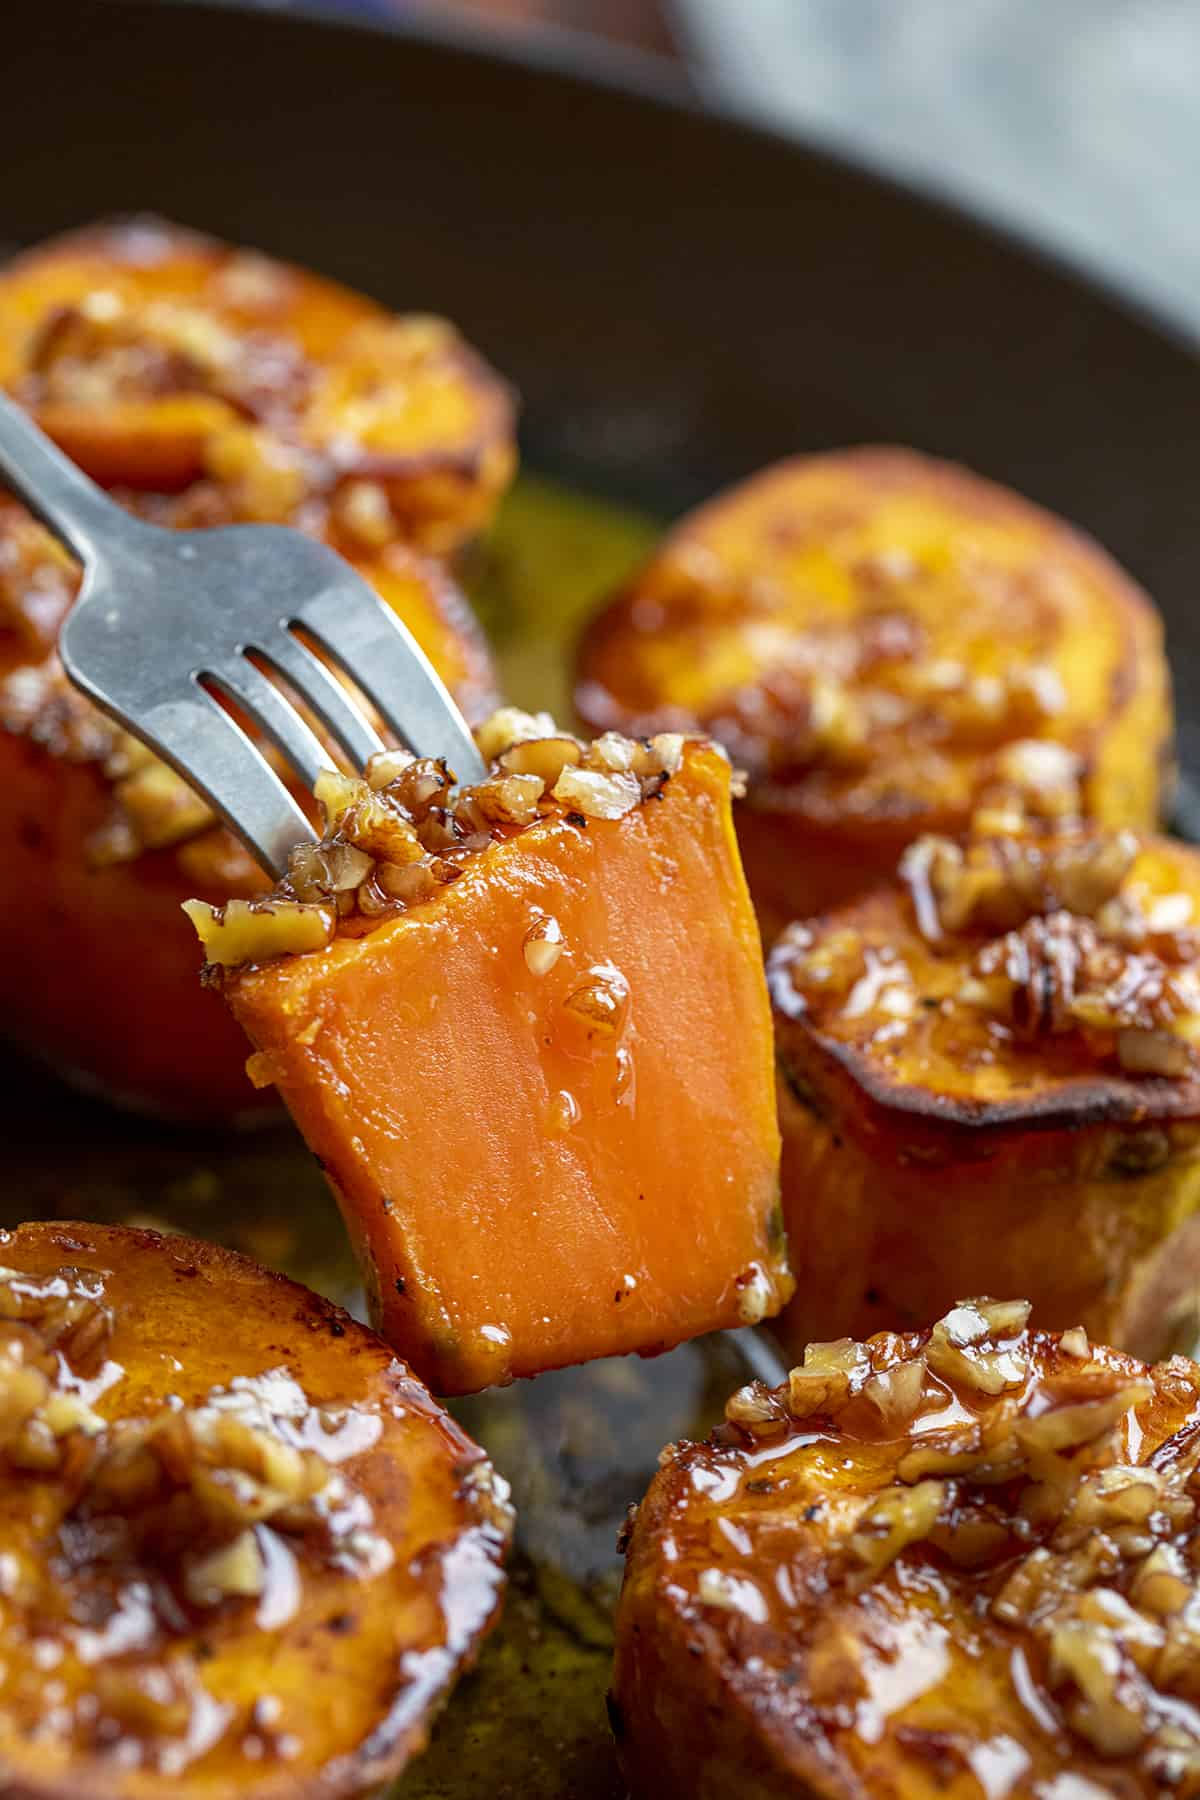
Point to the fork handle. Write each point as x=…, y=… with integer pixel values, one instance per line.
x=67, y=501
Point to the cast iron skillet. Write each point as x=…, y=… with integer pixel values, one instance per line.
x=680, y=299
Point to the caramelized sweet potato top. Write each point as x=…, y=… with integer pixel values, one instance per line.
x=243, y=1551
x=397, y=837
x=225, y=385
x=1043, y=980
x=953, y=1561
x=870, y=633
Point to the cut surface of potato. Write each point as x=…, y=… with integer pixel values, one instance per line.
x=203, y=385
x=956, y=1562
x=986, y=1072
x=877, y=638
x=525, y=1029
x=243, y=1550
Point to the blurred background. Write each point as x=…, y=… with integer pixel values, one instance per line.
x=1076, y=122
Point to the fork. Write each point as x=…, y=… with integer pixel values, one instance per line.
x=169, y=623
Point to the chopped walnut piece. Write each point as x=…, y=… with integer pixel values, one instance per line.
x=509, y=726
x=955, y=1347
x=897, y=1394
x=397, y=837
x=828, y=1375
x=999, y=882
x=244, y=931
x=753, y=1408
x=900, y=1516
x=598, y=796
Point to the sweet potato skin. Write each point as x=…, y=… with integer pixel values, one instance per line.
x=361, y=1665
x=814, y=1691
x=953, y=1163
x=891, y=577
x=593, y=1194
x=116, y=1004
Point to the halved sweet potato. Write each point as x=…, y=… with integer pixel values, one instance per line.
x=526, y=1032
x=954, y=1563
x=986, y=1074
x=875, y=637
x=205, y=384
x=244, y=1551
x=159, y=359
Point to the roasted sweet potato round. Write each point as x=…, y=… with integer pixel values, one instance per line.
x=165, y=361
x=987, y=1073
x=243, y=1550
x=953, y=1563
x=203, y=385
x=524, y=1027
x=875, y=637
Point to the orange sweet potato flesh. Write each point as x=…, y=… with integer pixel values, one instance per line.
x=324, y=1680
x=526, y=1189
x=932, y=1150
x=867, y=631
x=776, y=1643
x=105, y=989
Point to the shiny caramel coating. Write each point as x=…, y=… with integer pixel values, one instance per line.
x=243, y=1550
x=954, y=1562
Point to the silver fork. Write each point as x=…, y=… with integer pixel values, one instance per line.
x=166, y=619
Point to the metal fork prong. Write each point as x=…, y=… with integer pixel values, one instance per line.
x=321, y=690
x=383, y=658
x=209, y=749
x=274, y=715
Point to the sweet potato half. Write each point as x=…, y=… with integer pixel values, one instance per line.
x=876, y=638
x=244, y=1551
x=951, y=1563
x=987, y=1072
x=525, y=1030
x=202, y=384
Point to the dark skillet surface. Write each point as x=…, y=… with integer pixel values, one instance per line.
x=679, y=299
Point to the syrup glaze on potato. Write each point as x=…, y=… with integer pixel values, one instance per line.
x=524, y=1027
x=987, y=1076
x=241, y=1549
x=167, y=363
x=202, y=385
x=876, y=637
x=956, y=1562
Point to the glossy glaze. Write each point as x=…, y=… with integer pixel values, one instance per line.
x=118, y=1679
x=771, y=1643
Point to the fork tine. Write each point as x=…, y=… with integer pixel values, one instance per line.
x=274, y=716
x=211, y=750
x=342, y=718
x=380, y=655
